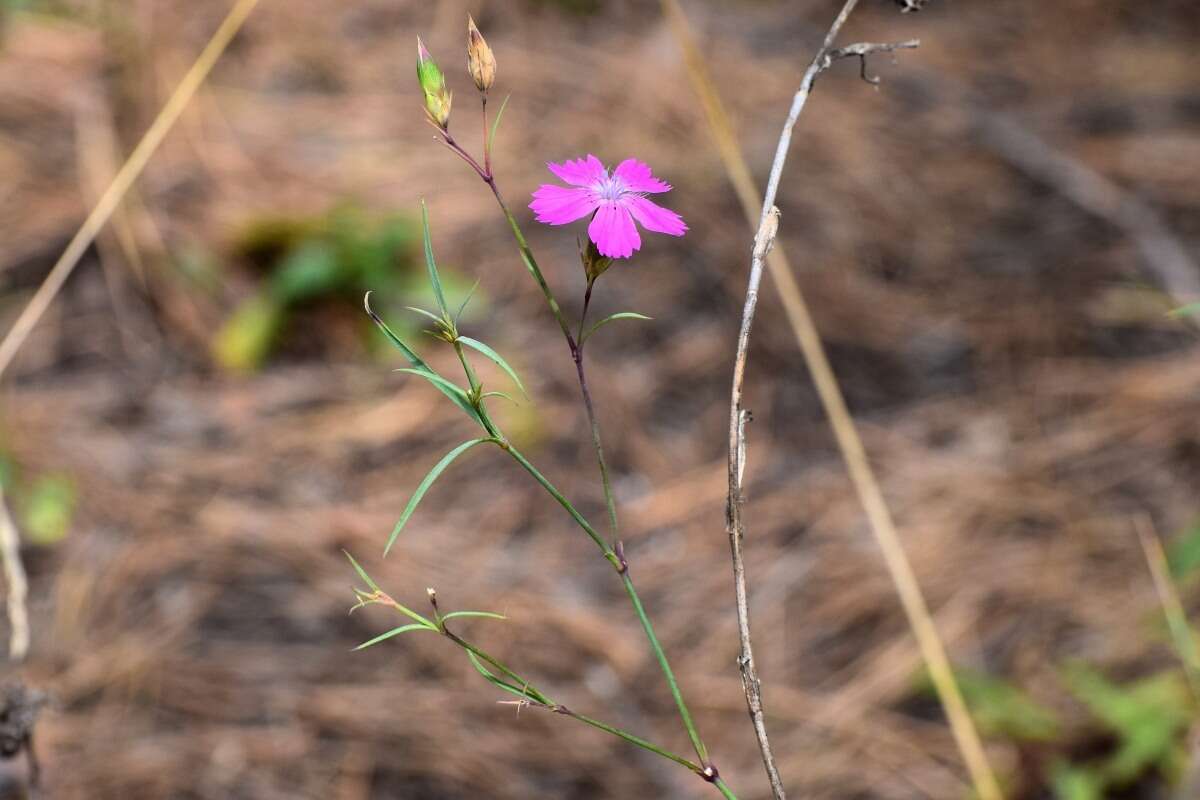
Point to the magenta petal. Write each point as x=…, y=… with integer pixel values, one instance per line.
x=558, y=205
x=637, y=177
x=654, y=217
x=581, y=171
x=613, y=231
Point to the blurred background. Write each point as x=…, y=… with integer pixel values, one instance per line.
x=991, y=243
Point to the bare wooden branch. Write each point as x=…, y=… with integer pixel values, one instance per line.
x=768, y=227
x=845, y=432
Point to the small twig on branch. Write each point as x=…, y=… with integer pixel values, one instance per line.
x=14, y=578
x=863, y=49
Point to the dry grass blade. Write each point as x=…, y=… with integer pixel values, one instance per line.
x=122, y=182
x=866, y=486
x=1181, y=633
x=14, y=577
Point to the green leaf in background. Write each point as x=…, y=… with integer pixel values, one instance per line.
x=611, y=318
x=47, y=509
x=1185, y=311
x=8, y=473
x=1001, y=708
x=1148, y=717
x=308, y=272
x=437, y=470
x=495, y=357
x=1183, y=553
x=1076, y=783
x=245, y=340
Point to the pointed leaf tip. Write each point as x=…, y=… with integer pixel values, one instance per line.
x=414, y=626
x=362, y=573
x=434, y=279
x=475, y=344
x=432, y=476
x=612, y=318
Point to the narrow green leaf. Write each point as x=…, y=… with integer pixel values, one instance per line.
x=1183, y=311
x=474, y=344
x=437, y=470
x=416, y=626
x=437, y=320
x=611, y=318
x=448, y=388
x=408, y=352
x=434, y=280
x=420, y=367
x=499, y=683
x=496, y=123
x=362, y=573
x=487, y=614
x=466, y=300
x=499, y=394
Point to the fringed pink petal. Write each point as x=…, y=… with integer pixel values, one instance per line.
x=558, y=205
x=637, y=177
x=580, y=172
x=654, y=217
x=613, y=231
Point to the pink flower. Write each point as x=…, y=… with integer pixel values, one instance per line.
x=616, y=200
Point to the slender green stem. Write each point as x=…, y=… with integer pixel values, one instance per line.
x=618, y=561
x=539, y=699
x=531, y=264
x=725, y=790
x=477, y=393
x=610, y=500
x=629, y=737
x=487, y=148
x=526, y=686
x=684, y=714
x=462, y=356
x=580, y=520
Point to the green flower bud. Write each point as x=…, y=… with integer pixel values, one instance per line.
x=594, y=264
x=433, y=84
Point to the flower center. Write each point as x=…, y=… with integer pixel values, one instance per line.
x=610, y=188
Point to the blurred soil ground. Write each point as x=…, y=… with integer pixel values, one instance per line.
x=1020, y=389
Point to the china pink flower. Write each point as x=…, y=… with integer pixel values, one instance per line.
x=615, y=200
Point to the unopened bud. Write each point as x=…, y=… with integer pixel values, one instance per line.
x=433, y=84
x=480, y=60
x=594, y=264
